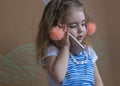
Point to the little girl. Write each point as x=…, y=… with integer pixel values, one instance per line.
x=63, y=67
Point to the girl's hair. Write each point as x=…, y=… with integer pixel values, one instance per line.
x=52, y=16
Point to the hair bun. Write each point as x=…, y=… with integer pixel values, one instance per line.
x=56, y=33
x=91, y=28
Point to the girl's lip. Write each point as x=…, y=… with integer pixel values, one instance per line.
x=80, y=37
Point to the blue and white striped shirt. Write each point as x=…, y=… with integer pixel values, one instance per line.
x=77, y=74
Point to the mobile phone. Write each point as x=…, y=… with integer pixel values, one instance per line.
x=76, y=47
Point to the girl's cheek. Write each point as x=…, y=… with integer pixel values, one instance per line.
x=74, y=33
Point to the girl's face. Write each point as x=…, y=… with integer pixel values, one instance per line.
x=75, y=20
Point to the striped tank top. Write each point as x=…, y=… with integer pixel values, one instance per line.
x=80, y=71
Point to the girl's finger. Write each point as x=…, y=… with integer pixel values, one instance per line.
x=67, y=31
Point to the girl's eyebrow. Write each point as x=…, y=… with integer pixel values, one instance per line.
x=84, y=20
x=73, y=23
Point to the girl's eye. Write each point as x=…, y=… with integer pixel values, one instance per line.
x=73, y=26
x=83, y=24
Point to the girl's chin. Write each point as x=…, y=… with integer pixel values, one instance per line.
x=80, y=40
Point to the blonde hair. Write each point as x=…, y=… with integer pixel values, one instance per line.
x=52, y=15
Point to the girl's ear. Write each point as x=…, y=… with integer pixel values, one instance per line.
x=91, y=28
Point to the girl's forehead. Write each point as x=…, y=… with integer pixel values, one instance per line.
x=76, y=15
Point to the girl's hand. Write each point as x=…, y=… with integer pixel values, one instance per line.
x=65, y=41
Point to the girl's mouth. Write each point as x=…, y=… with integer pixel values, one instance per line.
x=79, y=37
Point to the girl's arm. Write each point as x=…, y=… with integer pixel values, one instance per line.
x=57, y=66
x=98, y=80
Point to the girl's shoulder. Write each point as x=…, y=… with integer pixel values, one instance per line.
x=92, y=53
x=50, y=51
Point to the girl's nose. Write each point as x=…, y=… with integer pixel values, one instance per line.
x=79, y=30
